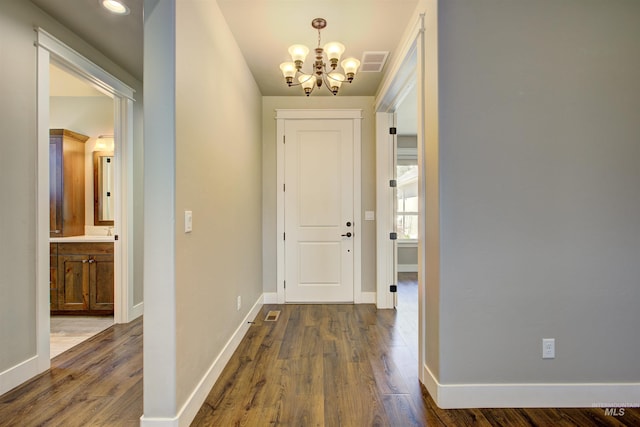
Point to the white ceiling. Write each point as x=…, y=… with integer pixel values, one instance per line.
x=263, y=29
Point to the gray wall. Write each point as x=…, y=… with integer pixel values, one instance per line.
x=540, y=190
x=18, y=169
x=206, y=158
x=368, y=175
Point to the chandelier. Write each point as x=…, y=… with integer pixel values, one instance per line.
x=332, y=79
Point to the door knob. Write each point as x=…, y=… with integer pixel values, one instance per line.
x=347, y=235
x=348, y=223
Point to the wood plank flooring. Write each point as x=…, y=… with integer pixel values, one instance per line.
x=96, y=383
x=349, y=365
x=318, y=365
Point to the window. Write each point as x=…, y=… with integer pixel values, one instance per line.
x=407, y=201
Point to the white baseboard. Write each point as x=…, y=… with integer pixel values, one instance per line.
x=407, y=268
x=365, y=298
x=270, y=297
x=368, y=297
x=544, y=395
x=136, y=311
x=19, y=373
x=187, y=413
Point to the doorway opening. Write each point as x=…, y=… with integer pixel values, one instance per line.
x=401, y=211
x=103, y=273
x=407, y=217
x=79, y=109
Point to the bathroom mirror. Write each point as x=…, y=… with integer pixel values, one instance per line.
x=103, y=186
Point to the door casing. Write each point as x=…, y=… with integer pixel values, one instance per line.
x=355, y=115
x=50, y=50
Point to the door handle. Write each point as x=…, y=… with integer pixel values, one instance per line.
x=347, y=235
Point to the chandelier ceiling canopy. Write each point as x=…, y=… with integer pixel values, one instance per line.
x=330, y=77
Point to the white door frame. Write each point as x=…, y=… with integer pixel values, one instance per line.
x=50, y=50
x=317, y=114
x=409, y=68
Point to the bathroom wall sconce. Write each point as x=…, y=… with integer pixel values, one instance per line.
x=104, y=143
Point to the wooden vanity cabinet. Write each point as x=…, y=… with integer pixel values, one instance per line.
x=85, y=278
x=66, y=183
x=53, y=276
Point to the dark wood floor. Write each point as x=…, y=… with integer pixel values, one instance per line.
x=349, y=365
x=96, y=383
x=318, y=365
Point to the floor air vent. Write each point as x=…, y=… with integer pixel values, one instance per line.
x=272, y=316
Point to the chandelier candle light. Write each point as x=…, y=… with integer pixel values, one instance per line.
x=332, y=79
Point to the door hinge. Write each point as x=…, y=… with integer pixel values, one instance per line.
x=393, y=236
x=393, y=183
x=284, y=139
x=285, y=284
x=393, y=288
x=284, y=236
x=393, y=131
x=284, y=187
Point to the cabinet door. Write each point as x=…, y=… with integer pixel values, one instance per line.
x=53, y=282
x=73, y=282
x=101, y=282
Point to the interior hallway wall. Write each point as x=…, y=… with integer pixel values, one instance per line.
x=18, y=173
x=540, y=195
x=205, y=156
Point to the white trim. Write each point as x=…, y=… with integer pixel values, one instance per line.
x=270, y=298
x=136, y=311
x=368, y=297
x=533, y=395
x=16, y=375
x=319, y=114
x=402, y=72
x=43, y=272
x=187, y=413
x=310, y=114
x=385, y=223
x=407, y=268
x=280, y=222
x=357, y=206
x=83, y=66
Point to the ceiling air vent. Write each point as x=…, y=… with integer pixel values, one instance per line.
x=373, y=62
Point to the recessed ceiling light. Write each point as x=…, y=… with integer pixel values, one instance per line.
x=115, y=6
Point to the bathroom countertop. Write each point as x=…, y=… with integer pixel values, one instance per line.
x=81, y=239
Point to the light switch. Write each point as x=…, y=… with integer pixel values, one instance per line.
x=188, y=221
x=369, y=215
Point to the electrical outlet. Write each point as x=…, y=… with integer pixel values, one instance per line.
x=239, y=302
x=548, y=348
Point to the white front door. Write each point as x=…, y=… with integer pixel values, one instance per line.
x=319, y=210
